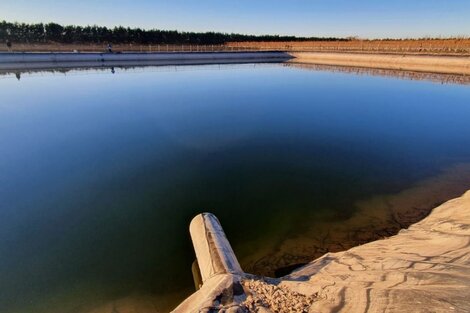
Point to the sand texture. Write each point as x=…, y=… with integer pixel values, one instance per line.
x=433, y=64
x=425, y=268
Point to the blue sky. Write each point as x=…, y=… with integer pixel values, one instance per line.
x=364, y=18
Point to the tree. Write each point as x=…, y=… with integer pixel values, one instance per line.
x=53, y=32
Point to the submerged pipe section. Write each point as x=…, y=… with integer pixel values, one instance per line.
x=213, y=251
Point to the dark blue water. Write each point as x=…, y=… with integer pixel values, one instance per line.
x=101, y=173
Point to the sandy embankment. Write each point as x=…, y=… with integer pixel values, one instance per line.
x=435, y=64
x=425, y=268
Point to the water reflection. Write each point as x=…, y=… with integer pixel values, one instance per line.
x=64, y=67
x=86, y=67
x=401, y=74
x=100, y=177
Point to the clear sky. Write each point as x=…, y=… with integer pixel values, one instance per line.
x=364, y=18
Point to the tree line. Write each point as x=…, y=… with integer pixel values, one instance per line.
x=53, y=32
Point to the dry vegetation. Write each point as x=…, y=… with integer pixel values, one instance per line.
x=457, y=46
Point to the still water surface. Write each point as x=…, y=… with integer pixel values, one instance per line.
x=101, y=173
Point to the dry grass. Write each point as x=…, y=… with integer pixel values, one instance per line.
x=423, y=46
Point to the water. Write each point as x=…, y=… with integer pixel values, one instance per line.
x=101, y=173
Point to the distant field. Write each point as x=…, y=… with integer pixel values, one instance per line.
x=423, y=46
x=428, y=46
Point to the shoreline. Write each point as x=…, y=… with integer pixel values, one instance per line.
x=434, y=64
x=457, y=65
x=377, y=217
x=69, y=57
x=19, y=69
x=424, y=267
x=417, y=268
x=63, y=67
